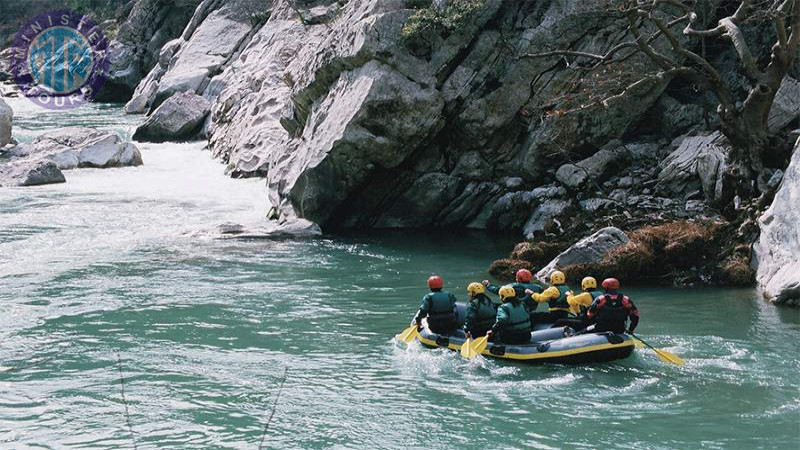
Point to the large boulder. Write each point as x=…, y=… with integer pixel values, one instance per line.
x=592, y=169
x=786, y=106
x=216, y=33
x=698, y=164
x=178, y=118
x=545, y=218
x=134, y=51
x=29, y=172
x=776, y=254
x=6, y=118
x=70, y=148
x=214, y=41
x=590, y=249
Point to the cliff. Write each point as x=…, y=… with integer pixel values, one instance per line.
x=412, y=113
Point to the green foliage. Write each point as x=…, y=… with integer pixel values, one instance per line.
x=15, y=13
x=455, y=14
x=418, y=4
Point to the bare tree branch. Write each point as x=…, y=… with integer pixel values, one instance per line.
x=662, y=61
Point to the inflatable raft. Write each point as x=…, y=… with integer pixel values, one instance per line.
x=556, y=345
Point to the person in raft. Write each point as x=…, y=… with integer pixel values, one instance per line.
x=439, y=307
x=522, y=286
x=579, y=305
x=556, y=297
x=610, y=311
x=481, y=311
x=512, y=324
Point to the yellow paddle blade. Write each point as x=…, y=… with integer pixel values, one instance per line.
x=478, y=346
x=414, y=334
x=669, y=357
x=663, y=355
x=639, y=344
x=466, y=349
x=408, y=335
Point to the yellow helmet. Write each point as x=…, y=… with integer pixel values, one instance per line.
x=506, y=292
x=476, y=288
x=588, y=283
x=557, y=277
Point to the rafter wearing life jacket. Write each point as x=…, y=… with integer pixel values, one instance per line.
x=611, y=310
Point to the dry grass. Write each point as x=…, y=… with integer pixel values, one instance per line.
x=679, y=253
x=506, y=269
x=655, y=252
x=537, y=253
x=737, y=271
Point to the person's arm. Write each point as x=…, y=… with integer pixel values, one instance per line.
x=596, y=305
x=576, y=301
x=493, y=288
x=453, y=301
x=633, y=315
x=573, y=302
x=551, y=293
x=424, y=307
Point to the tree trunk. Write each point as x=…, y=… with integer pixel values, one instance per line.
x=746, y=129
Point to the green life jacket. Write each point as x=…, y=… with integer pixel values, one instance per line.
x=518, y=317
x=482, y=313
x=561, y=300
x=441, y=307
x=519, y=288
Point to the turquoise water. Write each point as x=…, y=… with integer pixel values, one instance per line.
x=114, y=270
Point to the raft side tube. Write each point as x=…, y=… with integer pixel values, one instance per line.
x=550, y=345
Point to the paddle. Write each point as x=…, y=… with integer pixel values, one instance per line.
x=409, y=334
x=466, y=350
x=664, y=355
x=477, y=347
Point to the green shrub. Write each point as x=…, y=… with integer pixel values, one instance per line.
x=454, y=15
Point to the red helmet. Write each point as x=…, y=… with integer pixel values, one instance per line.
x=435, y=282
x=524, y=275
x=611, y=284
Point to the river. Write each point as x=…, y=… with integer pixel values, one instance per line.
x=109, y=283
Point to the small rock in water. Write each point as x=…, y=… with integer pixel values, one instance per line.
x=30, y=172
x=179, y=117
x=81, y=147
x=231, y=228
x=6, y=118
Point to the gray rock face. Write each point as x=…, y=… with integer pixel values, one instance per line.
x=777, y=252
x=697, y=164
x=786, y=106
x=545, y=218
x=29, y=172
x=150, y=24
x=177, y=118
x=590, y=249
x=336, y=108
x=6, y=118
x=69, y=148
x=215, y=33
x=593, y=168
